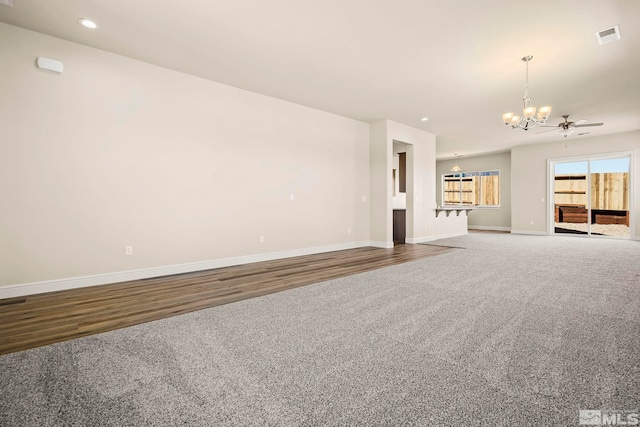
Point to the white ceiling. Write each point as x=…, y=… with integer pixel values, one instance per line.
x=457, y=63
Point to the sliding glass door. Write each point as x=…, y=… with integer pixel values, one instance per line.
x=591, y=197
x=571, y=213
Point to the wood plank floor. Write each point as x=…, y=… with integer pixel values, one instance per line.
x=36, y=320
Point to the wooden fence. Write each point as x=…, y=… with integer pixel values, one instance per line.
x=609, y=198
x=472, y=190
x=609, y=191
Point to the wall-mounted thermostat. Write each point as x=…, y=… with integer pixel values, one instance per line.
x=49, y=64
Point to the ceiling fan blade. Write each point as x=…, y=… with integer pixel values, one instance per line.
x=550, y=126
x=590, y=124
x=580, y=122
x=549, y=130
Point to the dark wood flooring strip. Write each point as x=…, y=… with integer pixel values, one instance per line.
x=42, y=319
x=12, y=301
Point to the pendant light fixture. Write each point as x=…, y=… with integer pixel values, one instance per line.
x=530, y=117
x=455, y=167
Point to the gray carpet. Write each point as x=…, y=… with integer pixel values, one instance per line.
x=512, y=330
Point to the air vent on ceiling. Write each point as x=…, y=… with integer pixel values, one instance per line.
x=609, y=35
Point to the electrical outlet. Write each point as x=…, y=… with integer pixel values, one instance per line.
x=531, y=222
x=349, y=230
x=291, y=196
x=364, y=198
x=128, y=250
x=261, y=239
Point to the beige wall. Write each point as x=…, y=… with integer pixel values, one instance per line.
x=484, y=218
x=529, y=176
x=117, y=152
x=381, y=191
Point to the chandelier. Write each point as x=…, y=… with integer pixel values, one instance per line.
x=530, y=118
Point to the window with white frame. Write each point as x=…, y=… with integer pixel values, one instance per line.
x=478, y=189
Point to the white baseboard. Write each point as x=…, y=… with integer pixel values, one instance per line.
x=11, y=291
x=383, y=245
x=432, y=238
x=488, y=228
x=530, y=232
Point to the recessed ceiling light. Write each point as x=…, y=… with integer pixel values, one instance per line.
x=88, y=23
x=424, y=119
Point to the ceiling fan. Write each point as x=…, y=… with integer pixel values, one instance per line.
x=568, y=127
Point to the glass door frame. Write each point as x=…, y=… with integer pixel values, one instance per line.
x=588, y=158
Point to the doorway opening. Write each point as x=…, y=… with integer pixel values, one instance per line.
x=400, y=195
x=591, y=196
